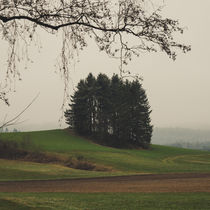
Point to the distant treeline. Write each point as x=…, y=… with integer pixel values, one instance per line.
x=193, y=145
x=6, y=130
x=182, y=137
x=114, y=111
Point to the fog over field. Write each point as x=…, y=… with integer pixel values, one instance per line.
x=179, y=135
x=178, y=91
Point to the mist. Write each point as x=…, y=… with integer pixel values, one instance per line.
x=178, y=91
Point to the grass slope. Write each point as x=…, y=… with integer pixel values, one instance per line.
x=105, y=201
x=159, y=159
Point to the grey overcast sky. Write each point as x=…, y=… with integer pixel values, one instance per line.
x=179, y=92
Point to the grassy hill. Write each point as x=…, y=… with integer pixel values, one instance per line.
x=108, y=161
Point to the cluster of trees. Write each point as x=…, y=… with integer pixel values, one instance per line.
x=115, y=112
x=6, y=130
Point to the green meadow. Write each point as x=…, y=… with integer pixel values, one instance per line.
x=105, y=201
x=63, y=144
x=158, y=159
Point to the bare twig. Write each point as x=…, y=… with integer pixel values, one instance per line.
x=102, y=20
x=15, y=120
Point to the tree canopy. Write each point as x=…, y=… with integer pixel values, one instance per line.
x=113, y=111
x=121, y=28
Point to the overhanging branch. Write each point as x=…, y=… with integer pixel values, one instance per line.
x=56, y=27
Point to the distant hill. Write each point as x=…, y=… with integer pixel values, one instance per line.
x=181, y=137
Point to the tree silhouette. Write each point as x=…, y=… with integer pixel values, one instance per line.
x=113, y=111
x=121, y=28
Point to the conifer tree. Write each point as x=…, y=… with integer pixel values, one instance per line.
x=103, y=104
x=113, y=111
x=77, y=115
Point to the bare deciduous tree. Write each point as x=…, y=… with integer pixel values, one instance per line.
x=16, y=119
x=121, y=28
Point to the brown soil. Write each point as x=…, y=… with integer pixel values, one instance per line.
x=185, y=182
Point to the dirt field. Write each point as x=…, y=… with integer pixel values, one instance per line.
x=185, y=182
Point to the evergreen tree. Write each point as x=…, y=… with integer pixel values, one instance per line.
x=102, y=105
x=90, y=105
x=113, y=111
x=77, y=115
x=116, y=106
x=140, y=128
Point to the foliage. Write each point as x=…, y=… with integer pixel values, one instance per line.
x=121, y=28
x=114, y=111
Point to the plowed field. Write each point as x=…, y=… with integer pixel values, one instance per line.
x=176, y=182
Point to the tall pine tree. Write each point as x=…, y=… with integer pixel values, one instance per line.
x=113, y=111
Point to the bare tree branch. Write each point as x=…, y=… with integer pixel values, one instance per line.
x=114, y=25
x=15, y=120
